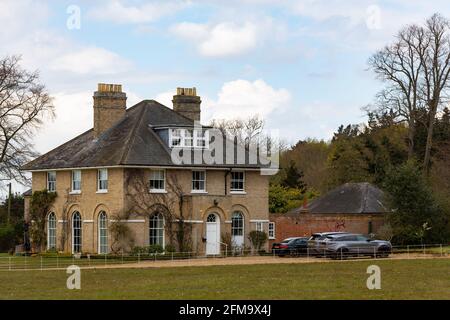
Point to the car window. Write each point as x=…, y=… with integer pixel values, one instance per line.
x=347, y=238
x=361, y=238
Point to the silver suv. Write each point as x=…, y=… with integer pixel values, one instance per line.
x=341, y=246
x=317, y=241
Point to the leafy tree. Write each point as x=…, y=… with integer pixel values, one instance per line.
x=293, y=178
x=414, y=207
x=12, y=233
x=282, y=199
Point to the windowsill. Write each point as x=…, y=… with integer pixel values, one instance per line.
x=238, y=192
x=199, y=192
x=271, y=238
x=74, y=192
x=102, y=191
x=158, y=191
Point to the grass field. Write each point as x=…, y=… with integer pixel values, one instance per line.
x=401, y=279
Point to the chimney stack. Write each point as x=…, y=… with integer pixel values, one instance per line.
x=187, y=103
x=110, y=104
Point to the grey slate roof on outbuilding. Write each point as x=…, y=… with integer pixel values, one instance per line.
x=350, y=198
x=130, y=142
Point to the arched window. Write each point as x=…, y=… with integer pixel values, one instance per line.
x=237, y=224
x=211, y=218
x=51, y=231
x=156, y=229
x=76, y=232
x=102, y=233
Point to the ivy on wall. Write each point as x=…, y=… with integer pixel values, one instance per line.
x=40, y=204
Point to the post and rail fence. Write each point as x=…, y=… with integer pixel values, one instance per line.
x=48, y=261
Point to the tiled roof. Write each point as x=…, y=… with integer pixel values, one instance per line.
x=132, y=141
x=350, y=198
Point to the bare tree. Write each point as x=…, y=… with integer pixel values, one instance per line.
x=249, y=132
x=416, y=69
x=400, y=66
x=24, y=102
x=436, y=61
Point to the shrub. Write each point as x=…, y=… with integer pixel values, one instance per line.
x=170, y=248
x=257, y=239
x=7, y=238
x=152, y=249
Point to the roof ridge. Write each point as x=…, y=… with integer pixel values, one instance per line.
x=365, y=196
x=132, y=135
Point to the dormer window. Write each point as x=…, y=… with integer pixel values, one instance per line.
x=188, y=138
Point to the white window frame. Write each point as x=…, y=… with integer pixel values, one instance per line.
x=204, y=182
x=259, y=226
x=80, y=236
x=233, y=190
x=74, y=191
x=194, y=139
x=271, y=231
x=204, y=137
x=51, y=231
x=238, y=227
x=153, y=190
x=100, y=190
x=51, y=184
x=101, y=237
x=162, y=229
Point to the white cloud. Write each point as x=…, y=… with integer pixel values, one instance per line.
x=91, y=60
x=242, y=99
x=222, y=39
x=238, y=99
x=74, y=115
x=116, y=11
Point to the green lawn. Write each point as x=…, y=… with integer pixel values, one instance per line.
x=401, y=279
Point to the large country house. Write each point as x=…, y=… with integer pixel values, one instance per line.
x=121, y=175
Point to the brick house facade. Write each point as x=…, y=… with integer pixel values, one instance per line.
x=92, y=176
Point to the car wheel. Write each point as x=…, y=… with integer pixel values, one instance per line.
x=383, y=252
x=341, y=254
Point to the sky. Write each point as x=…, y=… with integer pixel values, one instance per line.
x=301, y=65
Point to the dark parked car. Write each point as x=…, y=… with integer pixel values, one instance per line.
x=291, y=247
x=341, y=246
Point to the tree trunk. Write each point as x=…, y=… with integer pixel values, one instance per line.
x=411, y=136
x=429, y=145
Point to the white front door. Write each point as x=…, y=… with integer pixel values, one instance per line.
x=212, y=234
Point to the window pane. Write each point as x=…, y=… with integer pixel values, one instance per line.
x=237, y=224
x=103, y=179
x=51, y=181
x=156, y=232
x=237, y=181
x=103, y=233
x=76, y=180
x=51, y=232
x=198, y=180
x=157, y=180
x=76, y=232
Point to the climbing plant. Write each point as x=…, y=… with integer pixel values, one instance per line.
x=40, y=204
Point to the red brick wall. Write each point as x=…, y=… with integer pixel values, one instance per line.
x=305, y=224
